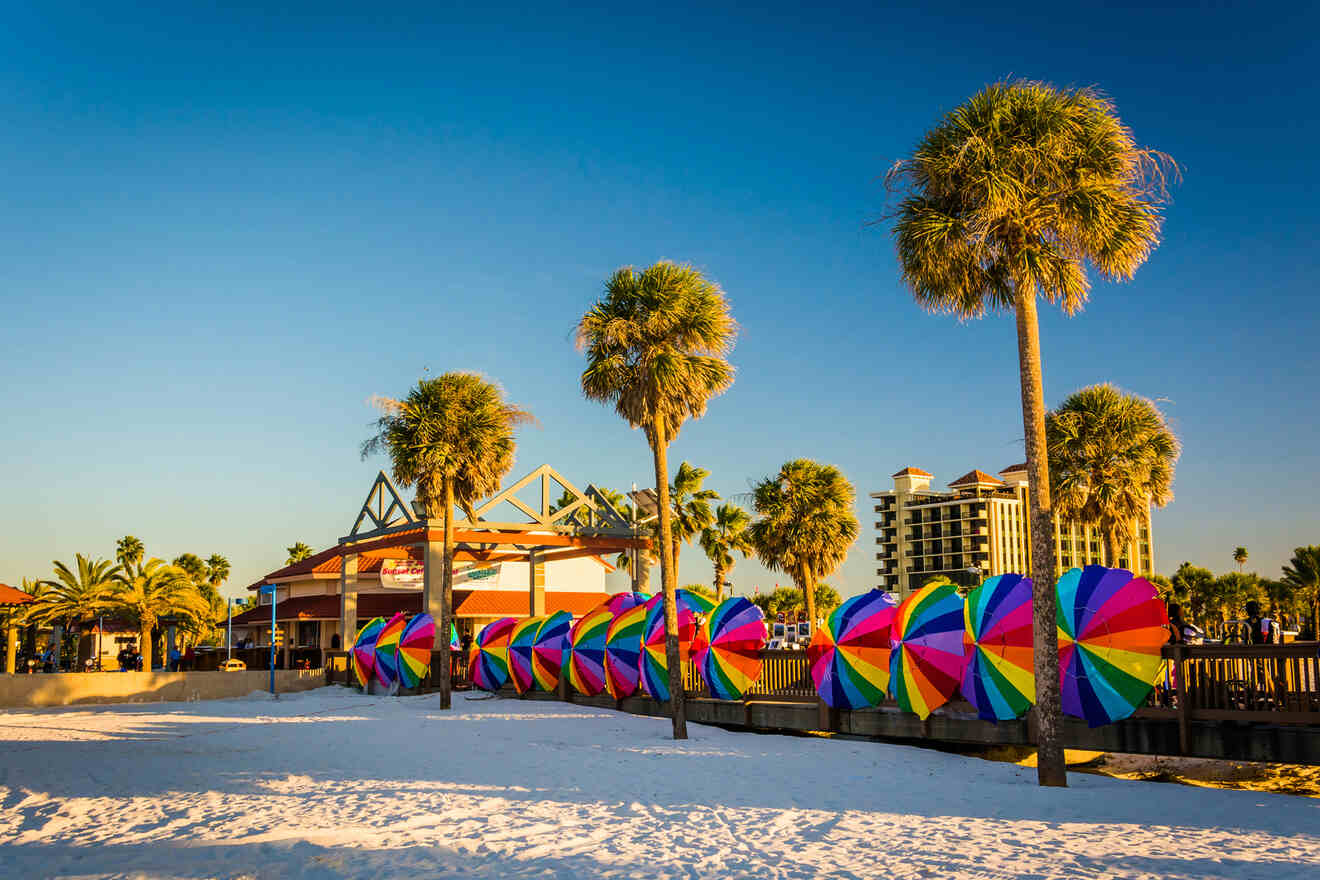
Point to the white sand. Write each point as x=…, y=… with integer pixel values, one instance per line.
x=331, y=784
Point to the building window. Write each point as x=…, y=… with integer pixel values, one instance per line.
x=309, y=634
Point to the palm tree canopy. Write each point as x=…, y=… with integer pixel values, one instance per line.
x=806, y=522
x=156, y=589
x=1303, y=571
x=726, y=535
x=129, y=550
x=1111, y=456
x=657, y=346
x=457, y=426
x=79, y=593
x=1016, y=190
x=1240, y=555
x=191, y=564
x=217, y=570
x=690, y=502
x=297, y=553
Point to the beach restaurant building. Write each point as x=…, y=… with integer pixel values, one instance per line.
x=519, y=556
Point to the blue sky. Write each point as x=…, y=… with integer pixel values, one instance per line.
x=224, y=230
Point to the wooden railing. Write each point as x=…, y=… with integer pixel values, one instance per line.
x=785, y=677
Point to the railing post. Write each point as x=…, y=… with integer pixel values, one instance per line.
x=1184, y=700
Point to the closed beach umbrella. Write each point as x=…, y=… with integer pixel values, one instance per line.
x=727, y=648
x=549, y=649
x=415, y=647
x=1111, y=629
x=522, y=639
x=586, y=651
x=623, y=650
x=364, y=650
x=926, y=649
x=849, y=655
x=621, y=602
x=454, y=643
x=653, y=665
x=490, y=655
x=998, y=677
x=387, y=651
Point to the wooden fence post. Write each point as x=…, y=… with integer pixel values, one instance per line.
x=1184, y=699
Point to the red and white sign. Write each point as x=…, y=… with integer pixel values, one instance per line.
x=402, y=574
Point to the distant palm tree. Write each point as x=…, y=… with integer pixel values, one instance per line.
x=805, y=524
x=1240, y=557
x=129, y=550
x=452, y=437
x=722, y=538
x=1302, y=574
x=74, y=595
x=1004, y=202
x=191, y=564
x=1112, y=456
x=691, y=505
x=297, y=553
x=656, y=347
x=148, y=592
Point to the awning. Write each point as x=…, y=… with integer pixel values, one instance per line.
x=467, y=603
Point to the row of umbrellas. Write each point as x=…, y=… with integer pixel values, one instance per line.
x=396, y=652
x=1111, y=627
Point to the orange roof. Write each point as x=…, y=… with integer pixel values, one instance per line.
x=911, y=472
x=974, y=477
x=11, y=596
x=513, y=603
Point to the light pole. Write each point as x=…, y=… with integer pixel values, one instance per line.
x=229, y=636
x=269, y=589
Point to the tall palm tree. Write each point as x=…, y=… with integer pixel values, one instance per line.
x=129, y=550
x=191, y=564
x=726, y=535
x=656, y=346
x=145, y=593
x=1240, y=557
x=805, y=524
x=217, y=571
x=1003, y=202
x=1111, y=457
x=73, y=595
x=297, y=553
x=1302, y=573
x=691, y=505
x=452, y=437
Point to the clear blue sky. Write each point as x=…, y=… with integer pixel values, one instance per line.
x=223, y=231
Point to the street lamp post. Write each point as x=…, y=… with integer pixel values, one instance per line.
x=269, y=589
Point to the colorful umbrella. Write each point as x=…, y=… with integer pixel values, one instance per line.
x=586, y=653
x=489, y=669
x=653, y=665
x=1111, y=629
x=727, y=648
x=926, y=649
x=621, y=602
x=415, y=647
x=387, y=651
x=522, y=638
x=549, y=648
x=849, y=655
x=623, y=648
x=364, y=650
x=997, y=676
x=454, y=643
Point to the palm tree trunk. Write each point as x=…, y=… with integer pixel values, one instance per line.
x=668, y=579
x=1112, y=548
x=1050, y=766
x=447, y=598
x=809, y=595
x=719, y=584
x=144, y=643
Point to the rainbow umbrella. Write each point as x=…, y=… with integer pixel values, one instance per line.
x=549, y=648
x=727, y=649
x=387, y=651
x=849, y=655
x=653, y=665
x=522, y=638
x=364, y=650
x=415, y=647
x=623, y=648
x=926, y=649
x=586, y=652
x=489, y=669
x=1111, y=629
x=454, y=643
x=621, y=602
x=998, y=677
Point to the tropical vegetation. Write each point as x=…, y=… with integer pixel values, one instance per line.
x=725, y=535
x=297, y=553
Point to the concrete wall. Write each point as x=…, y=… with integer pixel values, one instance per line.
x=31, y=691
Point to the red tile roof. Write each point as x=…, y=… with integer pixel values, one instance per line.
x=471, y=603
x=911, y=472
x=974, y=477
x=11, y=596
x=1015, y=468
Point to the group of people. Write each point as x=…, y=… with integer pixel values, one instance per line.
x=1255, y=630
x=130, y=659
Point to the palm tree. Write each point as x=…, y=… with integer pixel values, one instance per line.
x=1302, y=573
x=129, y=550
x=1111, y=457
x=297, y=553
x=691, y=505
x=452, y=437
x=1004, y=201
x=191, y=564
x=805, y=524
x=1240, y=557
x=74, y=595
x=145, y=593
x=656, y=347
x=724, y=536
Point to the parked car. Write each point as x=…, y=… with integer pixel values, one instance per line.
x=234, y=665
